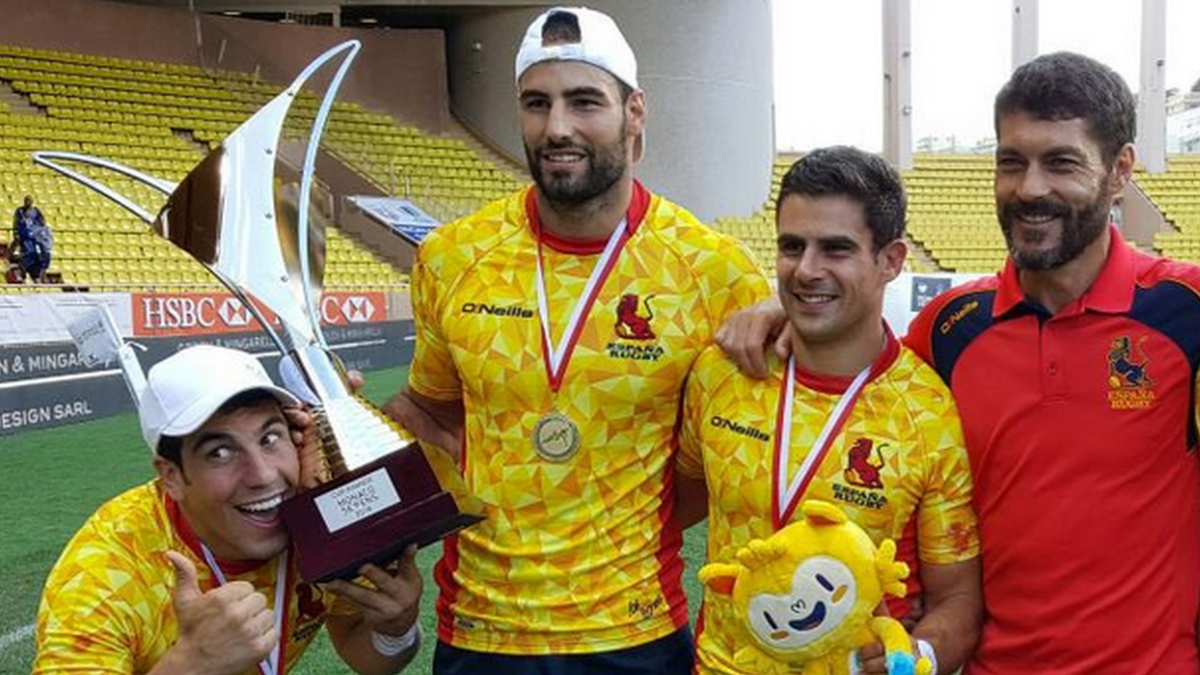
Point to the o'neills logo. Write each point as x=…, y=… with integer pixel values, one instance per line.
x=496, y=310
x=958, y=315
x=722, y=423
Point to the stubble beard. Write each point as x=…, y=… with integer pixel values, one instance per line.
x=1079, y=229
x=565, y=193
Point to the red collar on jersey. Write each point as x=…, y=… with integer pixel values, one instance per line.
x=188, y=535
x=638, y=206
x=833, y=384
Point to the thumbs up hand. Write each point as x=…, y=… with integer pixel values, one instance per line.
x=225, y=631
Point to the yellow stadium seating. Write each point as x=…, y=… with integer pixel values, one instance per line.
x=161, y=119
x=1176, y=193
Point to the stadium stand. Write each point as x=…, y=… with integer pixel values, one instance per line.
x=952, y=212
x=1176, y=193
x=758, y=230
x=160, y=118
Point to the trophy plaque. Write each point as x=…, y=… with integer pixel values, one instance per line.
x=258, y=225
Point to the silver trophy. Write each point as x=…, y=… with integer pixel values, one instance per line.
x=259, y=226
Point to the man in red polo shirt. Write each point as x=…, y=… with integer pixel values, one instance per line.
x=1074, y=370
x=1075, y=374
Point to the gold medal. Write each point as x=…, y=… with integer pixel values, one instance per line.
x=555, y=437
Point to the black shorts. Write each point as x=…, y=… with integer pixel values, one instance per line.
x=671, y=655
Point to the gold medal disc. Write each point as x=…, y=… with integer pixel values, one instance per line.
x=555, y=437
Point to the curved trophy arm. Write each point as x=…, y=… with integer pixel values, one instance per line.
x=46, y=158
x=310, y=159
x=240, y=214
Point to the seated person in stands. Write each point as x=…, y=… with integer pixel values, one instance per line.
x=33, y=236
x=192, y=572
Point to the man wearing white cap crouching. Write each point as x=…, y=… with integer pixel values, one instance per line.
x=192, y=572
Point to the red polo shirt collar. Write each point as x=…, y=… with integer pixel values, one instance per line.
x=1111, y=293
x=635, y=214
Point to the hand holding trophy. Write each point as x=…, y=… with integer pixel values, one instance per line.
x=258, y=225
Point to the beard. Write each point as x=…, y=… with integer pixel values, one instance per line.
x=1079, y=229
x=605, y=166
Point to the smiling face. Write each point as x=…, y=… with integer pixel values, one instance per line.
x=831, y=279
x=577, y=130
x=823, y=593
x=234, y=472
x=1053, y=188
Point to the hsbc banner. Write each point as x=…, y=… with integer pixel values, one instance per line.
x=196, y=314
x=47, y=385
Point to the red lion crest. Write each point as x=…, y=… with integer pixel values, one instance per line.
x=630, y=325
x=860, y=470
x=308, y=599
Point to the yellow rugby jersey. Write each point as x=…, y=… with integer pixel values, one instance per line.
x=575, y=556
x=899, y=468
x=107, y=606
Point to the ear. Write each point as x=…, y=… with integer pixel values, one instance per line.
x=635, y=112
x=635, y=122
x=1122, y=169
x=170, y=475
x=720, y=577
x=892, y=258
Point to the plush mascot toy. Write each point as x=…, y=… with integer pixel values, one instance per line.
x=807, y=597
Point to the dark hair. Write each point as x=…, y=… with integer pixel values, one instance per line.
x=562, y=27
x=170, y=448
x=841, y=170
x=1065, y=86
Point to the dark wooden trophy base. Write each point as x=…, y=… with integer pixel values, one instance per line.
x=432, y=504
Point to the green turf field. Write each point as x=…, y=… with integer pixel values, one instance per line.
x=54, y=479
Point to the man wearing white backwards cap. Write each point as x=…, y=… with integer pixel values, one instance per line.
x=555, y=329
x=192, y=572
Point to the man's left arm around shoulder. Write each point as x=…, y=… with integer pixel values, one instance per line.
x=381, y=635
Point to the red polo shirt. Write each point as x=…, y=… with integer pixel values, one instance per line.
x=1081, y=431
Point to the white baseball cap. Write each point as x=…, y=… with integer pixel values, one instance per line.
x=185, y=389
x=601, y=44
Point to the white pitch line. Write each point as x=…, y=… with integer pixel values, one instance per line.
x=9, y=639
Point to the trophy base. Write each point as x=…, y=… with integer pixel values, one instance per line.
x=371, y=514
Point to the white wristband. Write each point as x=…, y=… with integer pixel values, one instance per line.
x=391, y=645
x=927, y=652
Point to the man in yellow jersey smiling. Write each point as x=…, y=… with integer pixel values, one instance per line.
x=853, y=418
x=555, y=329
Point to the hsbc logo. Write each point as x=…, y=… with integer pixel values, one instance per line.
x=190, y=312
x=179, y=312
x=351, y=309
x=198, y=313
x=234, y=313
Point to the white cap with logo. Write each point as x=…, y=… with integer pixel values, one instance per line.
x=185, y=389
x=601, y=44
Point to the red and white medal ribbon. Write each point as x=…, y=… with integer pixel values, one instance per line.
x=270, y=665
x=787, y=494
x=557, y=358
